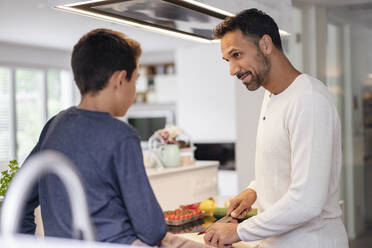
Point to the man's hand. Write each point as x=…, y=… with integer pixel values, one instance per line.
x=241, y=204
x=222, y=235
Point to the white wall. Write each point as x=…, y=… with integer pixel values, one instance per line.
x=21, y=54
x=18, y=54
x=206, y=105
x=295, y=40
x=276, y=9
x=248, y=106
x=166, y=88
x=314, y=39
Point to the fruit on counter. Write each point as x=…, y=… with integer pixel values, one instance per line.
x=207, y=206
x=208, y=220
x=218, y=213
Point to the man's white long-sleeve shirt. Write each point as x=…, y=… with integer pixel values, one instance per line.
x=297, y=170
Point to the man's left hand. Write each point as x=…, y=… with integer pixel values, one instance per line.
x=222, y=235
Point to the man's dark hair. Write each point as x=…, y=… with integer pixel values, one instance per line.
x=99, y=54
x=253, y=23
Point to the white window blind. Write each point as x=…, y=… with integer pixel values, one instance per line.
x=29, y=97
x=29, y=84
x=4, y=115
x=54, y=92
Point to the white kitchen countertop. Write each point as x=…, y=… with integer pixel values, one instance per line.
x=200, y=239
x=28, y=241
x=184, y=184
x=152, y=172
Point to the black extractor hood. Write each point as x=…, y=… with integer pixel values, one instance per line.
x=188, y=19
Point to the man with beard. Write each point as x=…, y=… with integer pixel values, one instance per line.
x=298, y=149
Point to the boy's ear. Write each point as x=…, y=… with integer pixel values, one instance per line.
x=123, y=76
x=118, y=78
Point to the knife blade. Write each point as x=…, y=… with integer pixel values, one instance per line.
x=225, y=219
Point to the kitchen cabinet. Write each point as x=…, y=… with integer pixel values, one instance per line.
x=185, y=184
x=157, y=83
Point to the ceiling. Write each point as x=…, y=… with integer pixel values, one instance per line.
x=335, y=2
x=359, y=11
x=33, y=22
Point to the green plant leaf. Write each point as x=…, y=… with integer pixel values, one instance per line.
x=8, y=176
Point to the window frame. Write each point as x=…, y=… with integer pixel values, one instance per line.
x=13, y=67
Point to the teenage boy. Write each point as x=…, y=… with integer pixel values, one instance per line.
x=106, y=151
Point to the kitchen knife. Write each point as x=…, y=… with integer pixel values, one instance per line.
x=225, y=219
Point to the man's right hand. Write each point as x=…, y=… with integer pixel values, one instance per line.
x=241, y=204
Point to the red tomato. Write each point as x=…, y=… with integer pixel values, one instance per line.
x=167, y=212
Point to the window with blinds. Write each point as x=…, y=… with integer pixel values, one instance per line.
x=4, y=115
x=38, y=95
x=29, y=83
x=54, y=92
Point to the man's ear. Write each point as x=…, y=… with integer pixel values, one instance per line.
x=266, y=44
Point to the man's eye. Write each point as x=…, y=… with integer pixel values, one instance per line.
x=236, y=55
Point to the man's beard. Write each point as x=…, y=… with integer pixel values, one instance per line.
x=257, y=79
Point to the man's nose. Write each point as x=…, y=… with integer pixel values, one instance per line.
x=234, y=69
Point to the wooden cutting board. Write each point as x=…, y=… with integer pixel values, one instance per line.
x=200, y=238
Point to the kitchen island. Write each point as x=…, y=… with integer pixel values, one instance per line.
x=175, y=186
x=200, y=239
x=185, y=184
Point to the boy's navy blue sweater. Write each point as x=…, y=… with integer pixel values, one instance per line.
x=108, y=155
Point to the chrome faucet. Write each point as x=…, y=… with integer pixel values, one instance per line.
x=36, y=166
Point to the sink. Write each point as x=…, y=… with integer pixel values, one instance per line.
x=43, y=163
x=12, y=207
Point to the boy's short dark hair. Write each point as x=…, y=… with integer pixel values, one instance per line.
x=253, y=23
x=99, y=54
